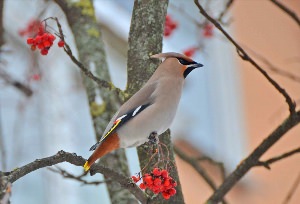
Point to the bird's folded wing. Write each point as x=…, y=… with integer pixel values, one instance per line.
x=137, y=103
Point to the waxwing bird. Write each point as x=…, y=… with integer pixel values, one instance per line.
x=150, y=111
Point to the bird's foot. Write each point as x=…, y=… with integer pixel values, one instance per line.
x=153, y=138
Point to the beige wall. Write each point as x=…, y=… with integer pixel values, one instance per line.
x=263, y=27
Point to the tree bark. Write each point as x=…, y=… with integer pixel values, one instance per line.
x=87, y=34
x=145, y=39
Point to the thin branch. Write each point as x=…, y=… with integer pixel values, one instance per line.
x=273, y=68
x=289, y=12
x=18, y=85
x=268, y=162
x=194, y=162
x=243, y=54
x=79, y=178
x=220, y=165
x=292, y=190
x=72, y=158
x=253, y=158
x=227, y=6
x=101, y=82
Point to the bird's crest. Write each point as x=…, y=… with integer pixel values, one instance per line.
x=171, y=54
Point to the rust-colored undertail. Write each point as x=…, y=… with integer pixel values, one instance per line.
x=110, y=143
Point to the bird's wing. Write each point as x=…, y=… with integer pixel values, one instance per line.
x=130, y=109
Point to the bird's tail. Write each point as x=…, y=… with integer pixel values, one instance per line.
x=109, y=144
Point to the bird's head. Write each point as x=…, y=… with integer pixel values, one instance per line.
x=175, y=60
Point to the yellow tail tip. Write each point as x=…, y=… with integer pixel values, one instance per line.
x=86, y=166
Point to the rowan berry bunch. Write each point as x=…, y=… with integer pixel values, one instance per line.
x=208, y=30
x=158, y=181
x=42, y=40
x=33, y=27
x=170, y=26
x=190, y=52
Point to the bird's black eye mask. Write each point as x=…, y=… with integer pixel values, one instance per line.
x=185, y=62
x=190, y=66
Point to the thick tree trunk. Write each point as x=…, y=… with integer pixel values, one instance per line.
x=81, y=18
x=145, y=39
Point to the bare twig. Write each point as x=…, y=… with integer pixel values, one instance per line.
x=194, y=162
x=72, y=158
x=289, y=12
x=79, y=178
x=101, y=82
x=243, y=54
x=18, y=85
x=273, y=68
x=292, y=190
x=268, y=162
x=220, y=165
x=253, y=158
x=227, y=6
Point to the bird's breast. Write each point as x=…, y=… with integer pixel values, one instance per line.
x=155, y=118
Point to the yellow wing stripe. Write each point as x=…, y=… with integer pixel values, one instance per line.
x=116, y=123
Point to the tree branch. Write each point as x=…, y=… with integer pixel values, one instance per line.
x=227, y=6
x=72, y=158
x=270, y=161
x=273, y=68
x=292, y=190
x=79, y=178
x=101, y=82
x=253, y=158
x=26, y=90
x=243, y=54
x=287, y=11
x=194, y=162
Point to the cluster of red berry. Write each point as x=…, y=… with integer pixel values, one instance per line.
x=34, y=26
x=208, y=30
x=43, y=40
x=190, y=52
x=170, y=26
x=158, y=181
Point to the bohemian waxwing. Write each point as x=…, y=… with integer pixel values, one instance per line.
x=150, y=111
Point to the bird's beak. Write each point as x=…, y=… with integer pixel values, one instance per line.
x=197, y=65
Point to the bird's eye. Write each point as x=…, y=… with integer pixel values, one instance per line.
x=184, y=62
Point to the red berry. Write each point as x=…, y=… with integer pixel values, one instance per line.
x=156, y=172
x=45, y=37
x=165, y=195
x=190, y=52
x=44, y=51
x=47, y=43
x=208, y=30
x=38, y=39
x=148, y=180
x=30, y=41
x=157, y=182
x=142, y=186
x=167, y=31
x=41, y=29
x=173, y=25
x=33, y=47
x=51, y=37
x=135, y=179
x=164, y=173
x=61, y=43
x=41, y=46
x=36, y=77
x=172, y=191
x=166, y=182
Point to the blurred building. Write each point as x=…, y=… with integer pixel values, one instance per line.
x=227, y=108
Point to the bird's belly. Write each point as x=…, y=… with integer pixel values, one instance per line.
x=137, y=130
